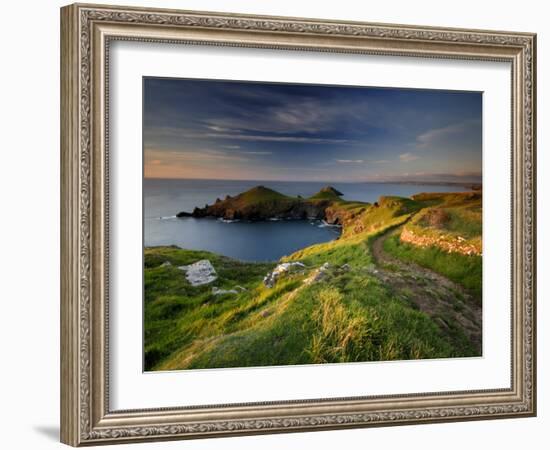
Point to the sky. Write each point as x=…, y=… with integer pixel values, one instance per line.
x=212, y=129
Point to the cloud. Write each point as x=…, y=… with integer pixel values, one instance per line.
x=254, y=129
x=216, y=128
x=179, y=156
x=361, y=161
x=407, y=157
x=282, y=113
x=262, y=138
x=350, y=161
x=161, y=134
x=443, y=134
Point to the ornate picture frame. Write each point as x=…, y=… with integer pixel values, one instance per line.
x=87, y=32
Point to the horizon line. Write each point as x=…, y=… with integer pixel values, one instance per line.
x=465, y=181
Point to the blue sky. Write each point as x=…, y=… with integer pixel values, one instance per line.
x=266, y=131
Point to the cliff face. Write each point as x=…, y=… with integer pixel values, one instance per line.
x=264, y=211
x=261, y=203
x=340, y=214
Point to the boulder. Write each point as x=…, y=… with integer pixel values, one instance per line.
x=200, y=272
x=271, y=278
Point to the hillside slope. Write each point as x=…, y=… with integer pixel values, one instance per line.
x=367, y=296
x=262, y=203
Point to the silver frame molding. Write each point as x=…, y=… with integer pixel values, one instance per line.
x=86, y=33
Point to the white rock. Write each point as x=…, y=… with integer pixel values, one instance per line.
x=271, y=278
x=216, y=291
x=199, y=273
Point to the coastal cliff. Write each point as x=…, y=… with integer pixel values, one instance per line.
x=261, y=203
x=389, y=288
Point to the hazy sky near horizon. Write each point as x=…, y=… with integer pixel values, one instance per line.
x=266, y=131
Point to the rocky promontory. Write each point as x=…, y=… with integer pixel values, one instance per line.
x=261, y=203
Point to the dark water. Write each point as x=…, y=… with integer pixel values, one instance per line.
x=258, y=241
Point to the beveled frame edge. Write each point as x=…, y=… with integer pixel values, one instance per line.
x=85, y=34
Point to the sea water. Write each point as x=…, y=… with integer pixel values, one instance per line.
x=248, y=241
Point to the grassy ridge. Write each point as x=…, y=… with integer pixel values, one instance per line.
x=258, y=195
x=349, y=315
x=462, y=269
x=176, y=313
x=449, y=216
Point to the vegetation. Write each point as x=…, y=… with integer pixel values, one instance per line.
x=463, y=269
x=327, y=193
x=176, y=313
x=346, y=303
x=262, y=203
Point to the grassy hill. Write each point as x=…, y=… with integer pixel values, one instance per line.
x=259, y=195
x=327, y=193
x=448, y=238
x=262, y=203
x=367, y=296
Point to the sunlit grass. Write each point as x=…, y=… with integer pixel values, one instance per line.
x=348, y=316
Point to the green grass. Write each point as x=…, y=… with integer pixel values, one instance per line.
x=348, y=316
x=259, y=194
x=462, y=269
x=327, y=193
x=386, y=212
x=453, y=216
x=177, y=313
x=453, y=219
x=353, y=251
x=354, y=319
x=465, y=222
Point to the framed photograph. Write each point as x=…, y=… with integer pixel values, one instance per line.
x=275, y=224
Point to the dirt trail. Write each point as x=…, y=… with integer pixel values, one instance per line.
x=449, y=304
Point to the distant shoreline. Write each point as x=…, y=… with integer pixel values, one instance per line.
x=473, y=186
x=412, y=183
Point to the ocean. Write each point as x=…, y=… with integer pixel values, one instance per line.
x=247, y=241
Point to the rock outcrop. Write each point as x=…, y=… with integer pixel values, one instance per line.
x=271, y=278
x=200, y=272
x=261, y=203
x=319, y=274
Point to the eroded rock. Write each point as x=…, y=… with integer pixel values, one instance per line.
x=200, y=273
x=271, y=278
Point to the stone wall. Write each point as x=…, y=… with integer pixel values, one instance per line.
x=448, y=243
